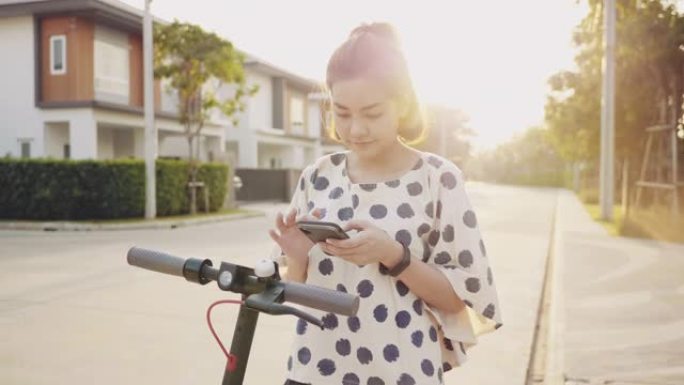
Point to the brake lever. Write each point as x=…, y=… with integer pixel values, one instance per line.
x=264, y=302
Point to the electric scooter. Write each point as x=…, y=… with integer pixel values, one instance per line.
x=262, y=292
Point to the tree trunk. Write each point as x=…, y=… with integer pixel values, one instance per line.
x=193, y=177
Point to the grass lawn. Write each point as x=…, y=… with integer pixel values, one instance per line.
x=655, y=222
x=614, y=226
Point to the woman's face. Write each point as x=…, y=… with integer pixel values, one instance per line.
x=366, y=116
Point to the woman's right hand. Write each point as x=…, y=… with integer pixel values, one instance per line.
x=292, y=241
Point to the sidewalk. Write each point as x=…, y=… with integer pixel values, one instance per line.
x=618, y=313
x=157, y=223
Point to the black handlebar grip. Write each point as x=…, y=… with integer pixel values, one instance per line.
x=321, y=298
x=156, y=261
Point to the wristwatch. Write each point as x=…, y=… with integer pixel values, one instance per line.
x=403, y=264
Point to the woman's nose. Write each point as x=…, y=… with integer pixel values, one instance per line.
x=357, y=129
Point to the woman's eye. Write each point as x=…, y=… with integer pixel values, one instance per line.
x=342, y=116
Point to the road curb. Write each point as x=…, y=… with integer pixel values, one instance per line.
x=554, y=370
x=153, y=224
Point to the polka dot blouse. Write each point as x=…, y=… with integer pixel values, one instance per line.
x=395, y=338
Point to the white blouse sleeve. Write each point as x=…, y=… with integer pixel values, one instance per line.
x=299, y=202
x=459, y=252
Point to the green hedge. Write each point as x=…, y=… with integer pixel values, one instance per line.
x=72, y=190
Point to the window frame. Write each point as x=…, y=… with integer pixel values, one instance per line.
x=53, y=39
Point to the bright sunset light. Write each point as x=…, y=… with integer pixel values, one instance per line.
x=491, y=59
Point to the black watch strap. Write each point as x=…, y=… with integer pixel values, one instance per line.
x=403, y=264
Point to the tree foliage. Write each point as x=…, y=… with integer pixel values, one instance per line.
x=649, y=70
x=199, y=66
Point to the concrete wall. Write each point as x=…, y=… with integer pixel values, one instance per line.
x=260, y=106
x=19, y=119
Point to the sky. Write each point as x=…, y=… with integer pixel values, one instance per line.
x=491, y=59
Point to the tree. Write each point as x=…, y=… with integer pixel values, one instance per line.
x=649, y=70
x=197, y=64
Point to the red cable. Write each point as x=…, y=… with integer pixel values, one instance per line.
x=232, y=359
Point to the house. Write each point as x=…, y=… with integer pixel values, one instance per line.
x=72, y=84
x=282, y=125
x=72, y=87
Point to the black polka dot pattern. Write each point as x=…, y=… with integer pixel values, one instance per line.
x=443, y=258
x=321, y=183
x=465, y=258
x=406, y=379
x=469, y=219
x=354, y=324
x=414, y=189
x=364, y=355
x=417, y=338
x=380, y=313
x=326, y=367
x=433, y=334
x=423, y=210
x=472, y=285
x=391, y=353
x=337, y=159
x=434, y=162
x=403, y=237
x=378, y=211
x=402, y=289
x=433, y=238
x=427, y=368
x=418, y=306
x=448, y=180
x=405, y=211
x=403, y=319
x=393, y=183
x=343, y=347
x=304, y=355
x=423, y=229
x=325, y=266
x=448, y=233
x=336, y=193
x=365, y=288
x=330, y=321
x=345, y=213
x=350, y=379
x=489, y=311
x=301, y=326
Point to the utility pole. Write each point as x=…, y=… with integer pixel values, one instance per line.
x=607, y=181
x=150, y=129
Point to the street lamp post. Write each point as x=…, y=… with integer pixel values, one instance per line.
x=150, y=129
x=608, y=113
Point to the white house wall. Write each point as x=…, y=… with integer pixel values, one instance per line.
x=260, y=106
x=19, y=118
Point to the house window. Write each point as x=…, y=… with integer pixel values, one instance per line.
x=58, y=55
x=67, y=151
x=25, y=149
x=297, y=115
x=111, y=65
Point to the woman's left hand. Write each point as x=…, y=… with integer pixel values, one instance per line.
x=370, y=245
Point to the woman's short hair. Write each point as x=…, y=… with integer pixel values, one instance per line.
x=374, y=50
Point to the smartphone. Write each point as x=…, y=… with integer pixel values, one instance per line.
x=319, y=231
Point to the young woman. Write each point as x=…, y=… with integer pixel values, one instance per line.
x=417, y=260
